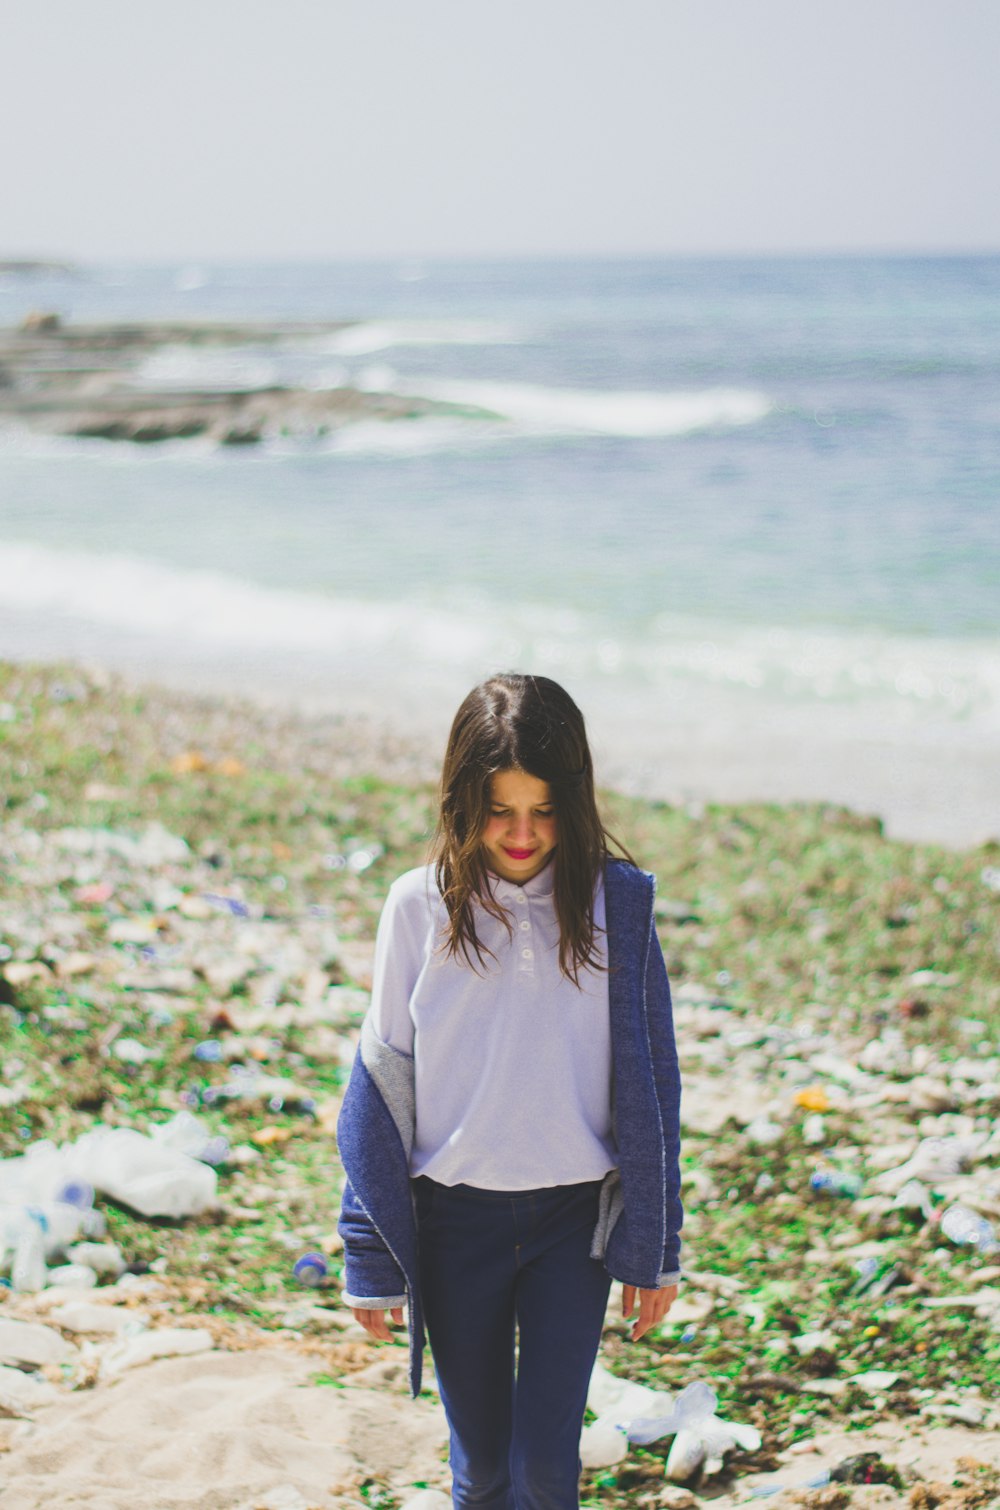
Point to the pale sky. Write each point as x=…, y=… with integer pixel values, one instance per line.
x=392, y=128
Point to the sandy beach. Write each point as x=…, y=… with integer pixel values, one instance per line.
x=926, y=783
x=191, y=889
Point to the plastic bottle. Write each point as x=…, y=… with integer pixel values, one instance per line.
x=835, y=1182
x=310, y=1270
x=966, y=1227
x=28, y=1271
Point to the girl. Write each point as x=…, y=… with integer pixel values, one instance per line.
x=510, y=1132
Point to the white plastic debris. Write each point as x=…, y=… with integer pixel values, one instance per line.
x=166, y=1342
x=29, y=1342
x=188, y=1134
x=104, y=1258
x=95, y=1320
x=72, y=1276
x=603, y=1442
x=607, y=1393
x=934, y=1158
x=616, y=1403
x=152, y=1178
x=700, y=1437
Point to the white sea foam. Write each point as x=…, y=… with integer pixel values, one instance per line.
x=886, y=680
x=186, y=367
x=381, y=335
x=538, y=410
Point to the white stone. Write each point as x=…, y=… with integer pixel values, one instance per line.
x=808, y=1342
x=428, y=1499
x=832, y=1387
x=874, y=1380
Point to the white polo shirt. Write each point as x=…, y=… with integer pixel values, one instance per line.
x=512, y=1061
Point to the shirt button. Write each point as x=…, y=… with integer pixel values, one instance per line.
x=525, y=926
x=521, y=898
x=527, y=953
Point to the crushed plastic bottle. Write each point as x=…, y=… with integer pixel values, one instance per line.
x=310, y=1270
x=961, y=1225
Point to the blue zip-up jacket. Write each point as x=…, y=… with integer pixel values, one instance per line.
x=640, y=1218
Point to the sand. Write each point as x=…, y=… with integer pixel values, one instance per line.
x=221, y=1431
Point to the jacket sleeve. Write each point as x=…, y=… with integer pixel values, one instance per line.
x=373, y=1281
x=666, y=1071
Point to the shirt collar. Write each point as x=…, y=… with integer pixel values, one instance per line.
x=539, y=886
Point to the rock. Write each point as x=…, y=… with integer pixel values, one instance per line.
x=30, y=1342
x=831, y=1387
x=41, y=322
x=20, y=1393
x=676, y=1498
x=970, y=1412
x=874, y=1381
x=810, y=1342
x=74, y=964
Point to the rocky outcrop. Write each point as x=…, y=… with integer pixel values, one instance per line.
x=82, y=380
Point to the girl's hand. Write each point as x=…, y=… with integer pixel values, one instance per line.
x=653, y=1306
x=375, y=1324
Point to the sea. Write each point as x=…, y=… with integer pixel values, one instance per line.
x=746, y=509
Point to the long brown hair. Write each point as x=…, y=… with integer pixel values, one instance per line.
x=531, y=724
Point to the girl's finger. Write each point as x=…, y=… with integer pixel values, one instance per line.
x=628, y=1299
x=374, y=1324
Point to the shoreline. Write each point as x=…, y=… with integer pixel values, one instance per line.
x=922, y=791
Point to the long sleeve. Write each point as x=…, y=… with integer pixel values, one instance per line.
x=666, y=1070
x=373, y=1278
x=400, y=950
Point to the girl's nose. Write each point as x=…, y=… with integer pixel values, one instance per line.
x=522, y=827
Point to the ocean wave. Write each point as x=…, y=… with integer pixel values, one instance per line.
x=890, y=680
x=538, y=410
x=381, y=335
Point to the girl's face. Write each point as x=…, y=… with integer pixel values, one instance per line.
x=520, y=832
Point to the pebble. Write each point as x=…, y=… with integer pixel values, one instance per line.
x=874, y=1381
x=831, y=1387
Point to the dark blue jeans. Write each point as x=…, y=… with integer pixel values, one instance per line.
x=490, y=1260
